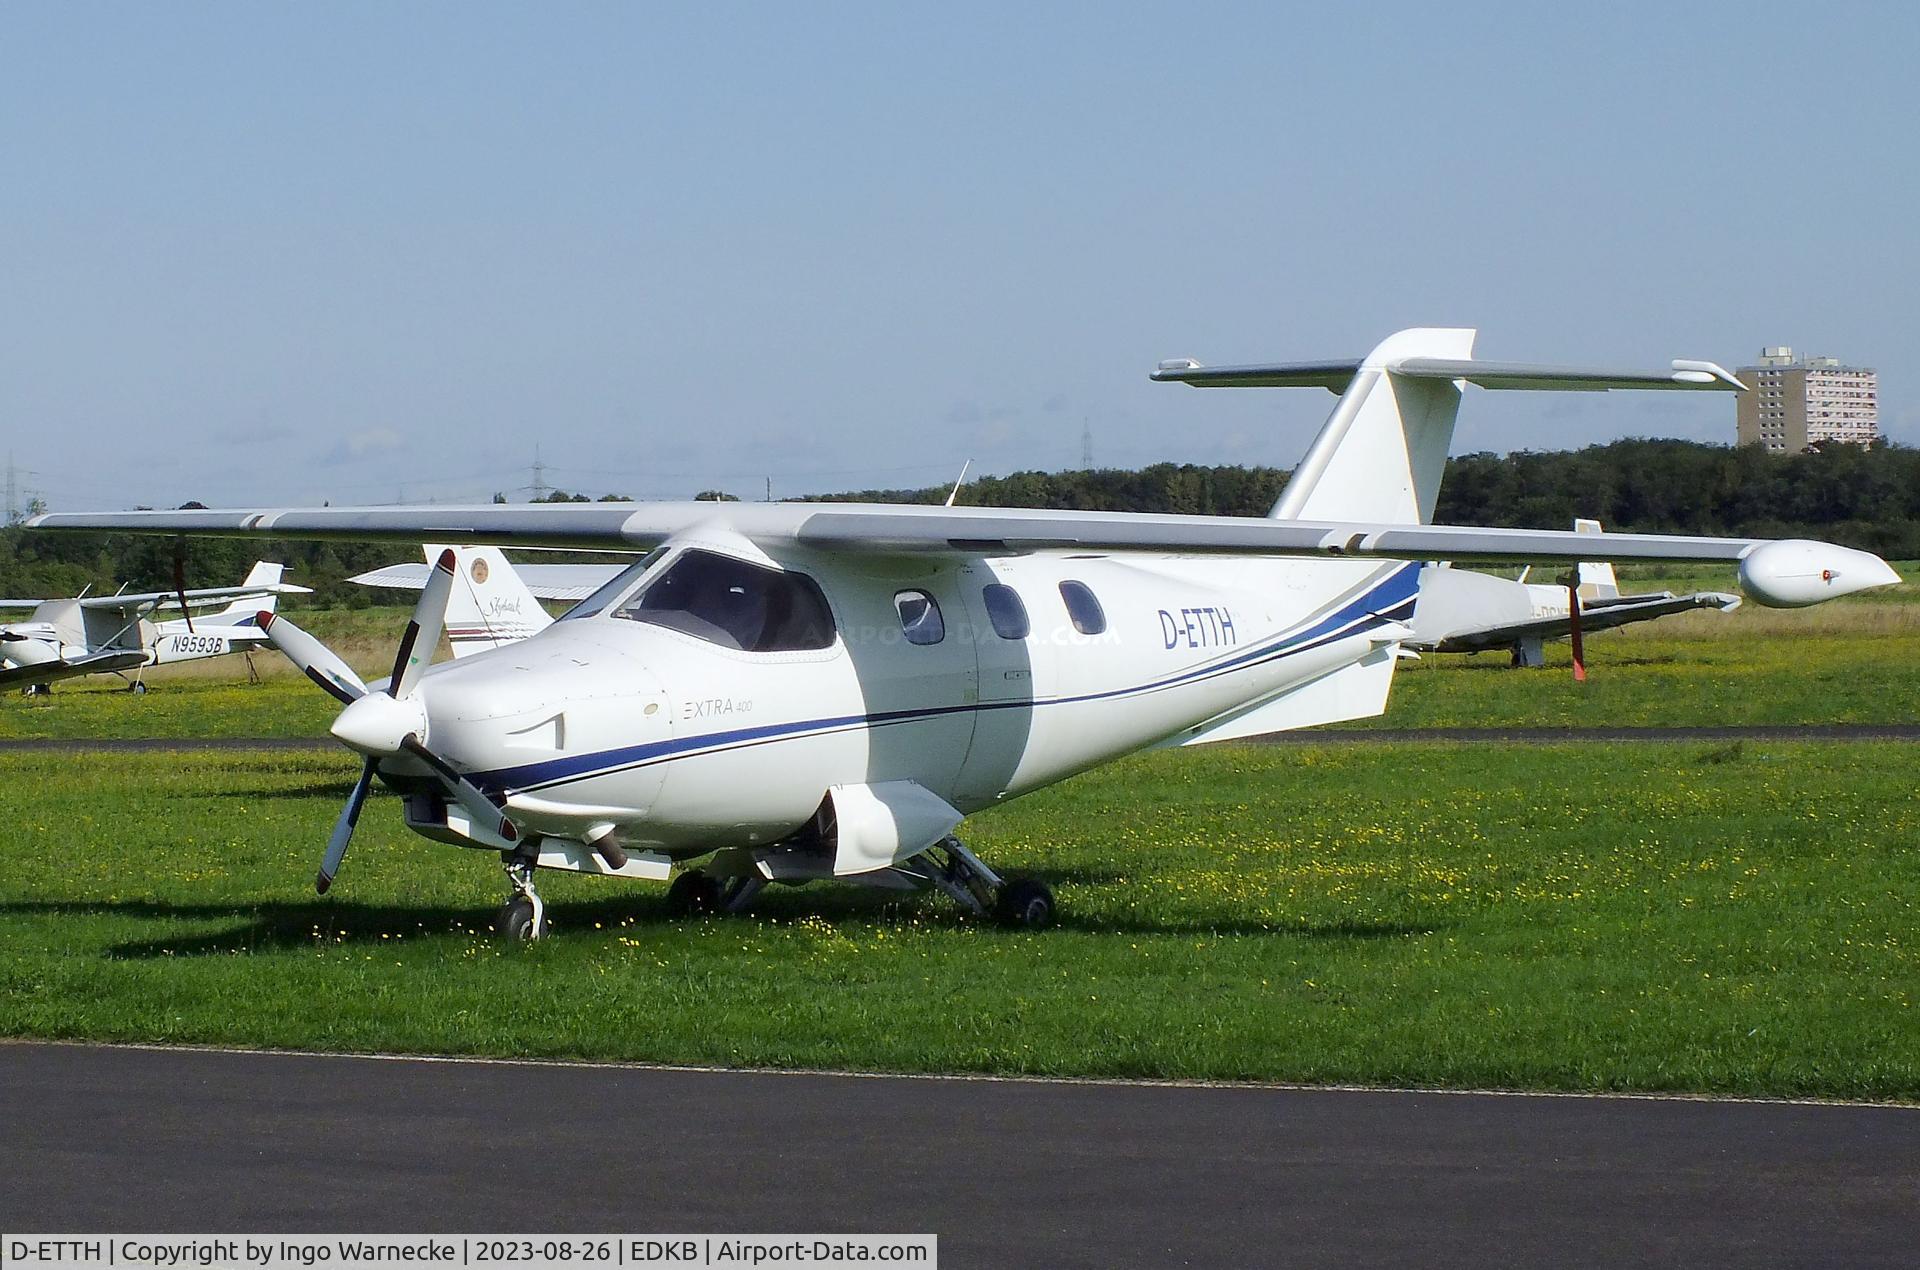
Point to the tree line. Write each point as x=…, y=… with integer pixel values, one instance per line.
x=1868, y=498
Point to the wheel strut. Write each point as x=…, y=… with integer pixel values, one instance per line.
x=524, y=915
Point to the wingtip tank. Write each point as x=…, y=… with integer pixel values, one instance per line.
x=1794, y=572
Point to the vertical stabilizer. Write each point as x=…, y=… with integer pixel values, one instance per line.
x=1381, y=453
x=490, y=604
x=262, y=574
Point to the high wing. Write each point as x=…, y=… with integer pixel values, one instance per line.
x=92, y=663
x=1367, y=487
x=196, y=596
x=546, y=581
x=1785, y=572
x=1595, y=615
x=903, y=528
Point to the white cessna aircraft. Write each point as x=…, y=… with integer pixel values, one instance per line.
x=1466, y=612
x=112, y=634
x=810, y=691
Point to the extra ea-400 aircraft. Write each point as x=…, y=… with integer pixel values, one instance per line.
x=797, y=692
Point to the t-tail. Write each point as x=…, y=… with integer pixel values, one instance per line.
x=1378, y=462
x=1380, y=455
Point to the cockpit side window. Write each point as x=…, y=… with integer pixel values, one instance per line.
x=734, y=603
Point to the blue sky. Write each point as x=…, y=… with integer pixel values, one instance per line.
x=267, y=254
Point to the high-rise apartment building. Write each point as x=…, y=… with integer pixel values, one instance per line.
x=1790, y=403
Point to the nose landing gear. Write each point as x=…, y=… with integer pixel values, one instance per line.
x=524, y=915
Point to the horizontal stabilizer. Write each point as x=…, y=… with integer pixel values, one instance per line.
x=545, y=581
x=1337, y=376
x=1333, y=376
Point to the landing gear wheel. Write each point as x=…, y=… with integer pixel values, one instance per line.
x=137, y=688
x=520, y=918
x=524, y=915
x=695, y=894
x=1024, y=904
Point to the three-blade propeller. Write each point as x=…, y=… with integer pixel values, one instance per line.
x=386, y=724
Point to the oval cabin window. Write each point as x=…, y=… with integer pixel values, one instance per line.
x=920, y=617
x=1083, y=607
x=1006, y=611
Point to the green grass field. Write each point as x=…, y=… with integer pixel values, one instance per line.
x=1733, y=919
x=1651, y=917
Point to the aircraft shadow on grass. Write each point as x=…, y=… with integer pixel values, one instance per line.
x=327, y=791
x=294, y=924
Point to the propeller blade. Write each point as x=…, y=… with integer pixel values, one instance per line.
x=343, y=829
x=483, y=809
x=315, y=660
x=423, y=631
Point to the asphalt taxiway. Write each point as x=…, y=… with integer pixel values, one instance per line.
x=1007, y=1172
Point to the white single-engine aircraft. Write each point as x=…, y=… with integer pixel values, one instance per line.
x=1462, y=611
x=802, y=691
x=112, y=634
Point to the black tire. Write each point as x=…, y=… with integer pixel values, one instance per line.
x=137, y=688
x=695, y=893
x=516, y=919
x=1024, y=904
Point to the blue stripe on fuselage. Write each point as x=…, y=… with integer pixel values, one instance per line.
x=1379, y=605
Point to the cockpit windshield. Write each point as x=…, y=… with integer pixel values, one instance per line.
x=733, y=603
x=614, y=587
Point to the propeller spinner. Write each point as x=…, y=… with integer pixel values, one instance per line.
x=386, y=724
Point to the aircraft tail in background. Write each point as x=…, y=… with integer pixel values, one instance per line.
x=242, y=611
x=490, y=605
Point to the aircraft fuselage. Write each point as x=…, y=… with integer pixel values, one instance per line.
x=685, y=745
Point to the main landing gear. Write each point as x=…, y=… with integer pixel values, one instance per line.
x=1020, y=903
x=947, y=866
x=697, y=893
x=524, y=915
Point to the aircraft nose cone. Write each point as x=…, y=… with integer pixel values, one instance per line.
x=376, y=723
